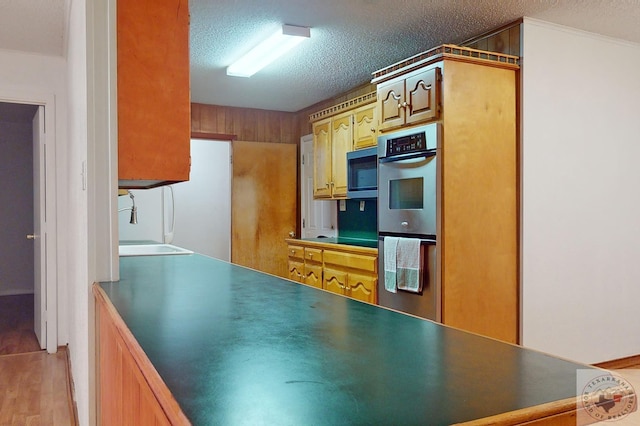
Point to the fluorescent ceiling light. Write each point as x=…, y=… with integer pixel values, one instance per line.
x=268, y=51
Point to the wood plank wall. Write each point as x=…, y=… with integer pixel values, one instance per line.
x=258, y=125
x=245, y=124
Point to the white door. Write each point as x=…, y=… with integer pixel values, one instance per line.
x=39, y=232
x=202, y=205
x=318, y=217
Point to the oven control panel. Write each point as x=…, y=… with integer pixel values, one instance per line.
x=415, y=142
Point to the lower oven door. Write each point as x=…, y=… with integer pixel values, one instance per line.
x=407, y=195
x=424, y=304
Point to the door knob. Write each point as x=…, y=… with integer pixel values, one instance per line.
x=292, y=234
x=31, y=237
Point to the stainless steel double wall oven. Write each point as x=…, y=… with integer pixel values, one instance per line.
x=408, y=182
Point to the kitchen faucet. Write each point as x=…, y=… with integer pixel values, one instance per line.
x=133, y=208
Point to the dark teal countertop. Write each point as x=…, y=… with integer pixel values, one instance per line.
x=236, y=346
x=360, y=242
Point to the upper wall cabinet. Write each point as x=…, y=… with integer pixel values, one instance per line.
x=154, y=118
x=337, y=131
x=409, y=99
x=365, y=126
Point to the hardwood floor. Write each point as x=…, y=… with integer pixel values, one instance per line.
x=16, y=325
x=35, y=389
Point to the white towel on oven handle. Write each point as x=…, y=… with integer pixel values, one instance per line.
x=389, y=255
x=408, y=265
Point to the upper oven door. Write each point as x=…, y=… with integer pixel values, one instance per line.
x=407, y=195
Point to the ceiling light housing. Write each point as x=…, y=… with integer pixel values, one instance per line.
x=269, y=50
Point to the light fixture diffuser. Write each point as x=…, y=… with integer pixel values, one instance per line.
x=268, y=50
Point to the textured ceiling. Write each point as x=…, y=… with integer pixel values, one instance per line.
x=352, y=38
x=349, y=38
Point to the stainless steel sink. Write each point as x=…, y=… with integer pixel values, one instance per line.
x=151, y=250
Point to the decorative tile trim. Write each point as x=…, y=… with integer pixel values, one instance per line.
x=344, y=106
x=450, y=51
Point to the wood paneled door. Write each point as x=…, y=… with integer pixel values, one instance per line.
x=263, y=204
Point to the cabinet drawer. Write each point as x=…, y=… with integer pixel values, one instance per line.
x=313, y=254
x=296, y=252
x=350, y=260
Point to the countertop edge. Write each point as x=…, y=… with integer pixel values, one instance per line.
x=158, y=387
x=333, y=246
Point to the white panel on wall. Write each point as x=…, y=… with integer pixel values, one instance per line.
x=580, y=198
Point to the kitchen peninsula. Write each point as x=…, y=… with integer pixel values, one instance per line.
x=190, y=339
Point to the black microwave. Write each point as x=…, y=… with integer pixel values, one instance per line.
x=362, y=173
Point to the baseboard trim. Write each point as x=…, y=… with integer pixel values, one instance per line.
x=627, y=362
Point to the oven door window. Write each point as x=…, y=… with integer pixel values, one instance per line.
x=406, y=194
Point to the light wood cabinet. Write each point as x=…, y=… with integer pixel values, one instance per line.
x=477, y=179
x=365, y=127
x=154, y=117
x=322, y=158
x=341, y=143
x=296, y=263
x=347, y=270
x=409, y=99
x=354, y=275
x=332, y=139
x=313, y=267
x=340, y=129
x=130, y=391
x=296, y=271
x=334, y=281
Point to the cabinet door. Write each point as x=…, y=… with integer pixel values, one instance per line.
x=296, y=271
x=334, y=280
x=313, y=275
x=390, y=99
x=322, y=159
x=154, y=106
x=422, y=95
x=342, y=142
x=362, y=287
x=365, y=127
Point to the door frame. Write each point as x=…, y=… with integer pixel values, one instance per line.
x=50, y=307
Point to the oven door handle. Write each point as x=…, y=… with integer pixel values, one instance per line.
x=393, y=159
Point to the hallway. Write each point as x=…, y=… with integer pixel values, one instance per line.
x=16, y=325
x=35, y=387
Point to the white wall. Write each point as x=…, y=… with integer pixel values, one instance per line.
x=32, y=76
x=203, y=204
x=16, y=207
x=150, y=220
x=580, y=194
x=77, y=192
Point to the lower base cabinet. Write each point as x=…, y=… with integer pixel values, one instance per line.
x=313, y=275
x=130, y=391
x=347, y=270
